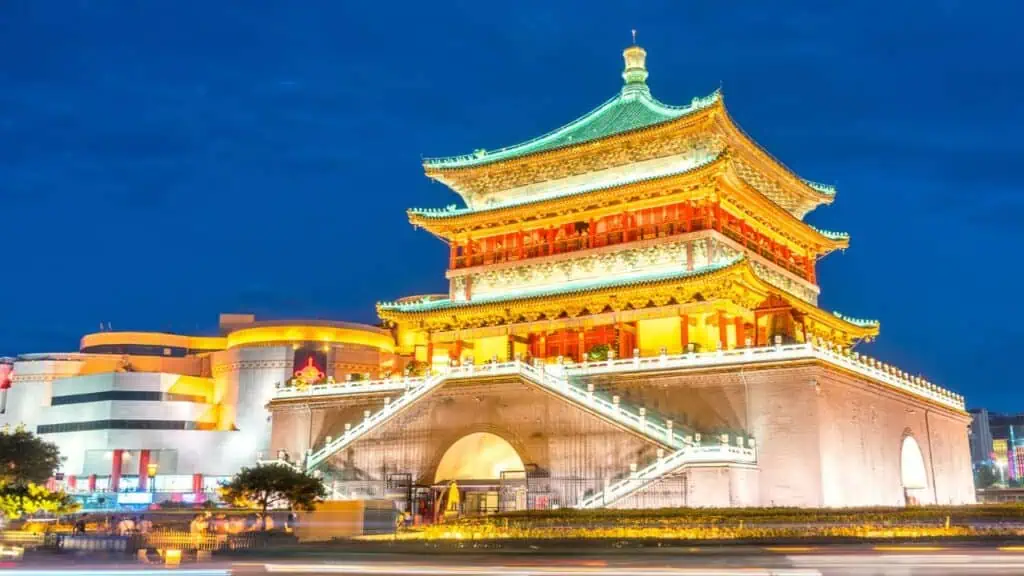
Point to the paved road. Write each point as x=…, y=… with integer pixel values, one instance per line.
x=760, y=564
x=777, y=561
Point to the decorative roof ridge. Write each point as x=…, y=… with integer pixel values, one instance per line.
x=451, y=209
x=481, y=156
x=857, y=321
x=814, y=186
x=565, y=288
x=823, y=188
x=830, y=234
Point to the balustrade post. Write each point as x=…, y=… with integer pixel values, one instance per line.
x=387, y=401
x=615, y=403
x=328, y=440
x=636, y=356
x=661, y=454
x=632, y=469
x=643, y=418
x=668, y=430
x=348, y=428
x=590, y=390
x=366, y=414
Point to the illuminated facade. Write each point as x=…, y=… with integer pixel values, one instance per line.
x=142, y=415
x=631, y=313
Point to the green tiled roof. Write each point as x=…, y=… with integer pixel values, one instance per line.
x=631, y=109
x=674, y=170
x=571, y=287
x=857, y=321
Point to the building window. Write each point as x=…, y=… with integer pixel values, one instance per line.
x=124, y=425
x=138, y=395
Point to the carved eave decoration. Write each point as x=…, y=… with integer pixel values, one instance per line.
x=736, y=283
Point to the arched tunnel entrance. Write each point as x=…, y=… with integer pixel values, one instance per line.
x=472, y=476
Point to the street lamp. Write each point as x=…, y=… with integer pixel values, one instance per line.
x=151, y=472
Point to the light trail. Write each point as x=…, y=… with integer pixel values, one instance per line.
x=420, y=570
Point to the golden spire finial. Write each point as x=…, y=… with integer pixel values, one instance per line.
x=635, y=73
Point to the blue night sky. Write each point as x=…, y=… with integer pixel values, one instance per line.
x=161, y=162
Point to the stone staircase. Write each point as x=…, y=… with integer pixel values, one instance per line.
x=637, y=419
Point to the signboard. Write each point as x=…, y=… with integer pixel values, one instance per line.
x=135, y=498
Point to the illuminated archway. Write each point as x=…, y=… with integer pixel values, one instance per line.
x=478, y=456
x=913, y=474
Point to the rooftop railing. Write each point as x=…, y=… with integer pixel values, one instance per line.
x=843, y=358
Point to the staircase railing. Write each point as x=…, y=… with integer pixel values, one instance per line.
x=660, y=467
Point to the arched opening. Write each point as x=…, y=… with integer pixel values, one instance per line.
x=913, y=474
x=471, y=476
x=478, y=456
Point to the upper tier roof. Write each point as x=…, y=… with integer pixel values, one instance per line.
x=613, y=133
x=631, y=109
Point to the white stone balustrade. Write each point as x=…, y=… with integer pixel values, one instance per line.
x=855, y=362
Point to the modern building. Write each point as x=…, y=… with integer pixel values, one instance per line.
x=138, y=413
x=632, y=320
x=998, y=440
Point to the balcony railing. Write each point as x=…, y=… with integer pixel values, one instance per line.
x=857, y=363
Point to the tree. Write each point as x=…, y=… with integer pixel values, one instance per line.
x=268, y=486
x=985, y=476
x=16, y=500
x=26, y=458
x=27, y=462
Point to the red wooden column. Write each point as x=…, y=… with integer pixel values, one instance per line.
x=551, y=240
x=519, y=242
x=115, y=470
x=467, y=253
x=456, y=353
x=591, y=233
x=197, y=483
x=809, y=268
x=723, y=330
x=542, y=346
x=143, y=470
x=453, y=252
x=581, y=353
x=92, y=483
x=620, y=329
x=684, y=332
x=72, y=483
x=636, y=337
x=741, y=338
x=430, y=354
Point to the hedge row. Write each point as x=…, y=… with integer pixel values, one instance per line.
x=1013, y=513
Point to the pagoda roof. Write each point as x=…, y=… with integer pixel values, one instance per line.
x=627, y=111
x=451, y=221
x=638, y=287
x=633, y=126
